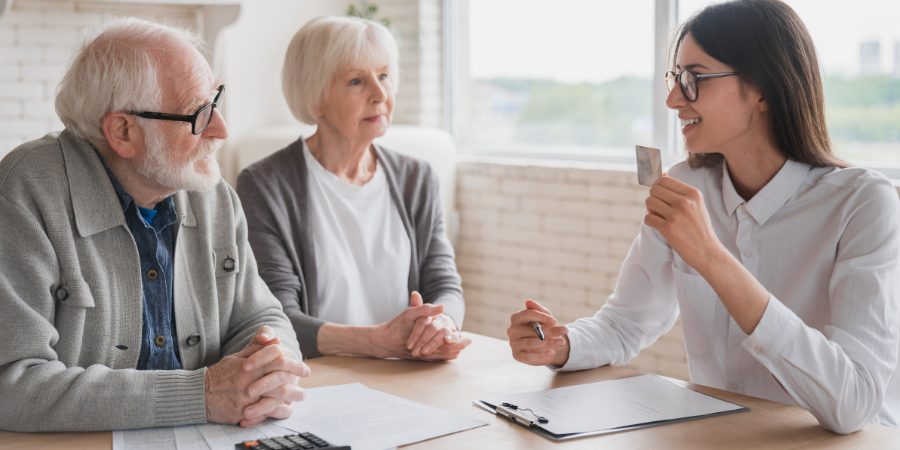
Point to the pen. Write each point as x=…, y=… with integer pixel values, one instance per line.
x=536, y=326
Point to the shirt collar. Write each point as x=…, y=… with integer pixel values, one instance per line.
x=95, y=206
x=166, y=208
x=772, y=196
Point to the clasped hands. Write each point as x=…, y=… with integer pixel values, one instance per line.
x=260, y=381
x=421, y=331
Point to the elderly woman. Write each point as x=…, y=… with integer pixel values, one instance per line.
x=349, y=235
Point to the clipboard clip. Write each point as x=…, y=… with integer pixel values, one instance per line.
x=525, y=416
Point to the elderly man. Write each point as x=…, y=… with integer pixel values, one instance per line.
x=129, y=296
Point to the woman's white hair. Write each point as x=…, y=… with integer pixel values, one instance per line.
x=325, y=46
x=116, y=70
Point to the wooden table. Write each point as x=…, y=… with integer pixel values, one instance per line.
x=486, y=367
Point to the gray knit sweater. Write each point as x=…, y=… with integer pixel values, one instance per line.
x=70, y=297
x=276, y=201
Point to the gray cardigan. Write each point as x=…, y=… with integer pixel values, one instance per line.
x=275, y=198
x=71, y=305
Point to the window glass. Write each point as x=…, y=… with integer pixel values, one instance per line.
x=571, y=78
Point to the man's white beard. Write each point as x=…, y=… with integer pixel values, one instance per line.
x=158, y=165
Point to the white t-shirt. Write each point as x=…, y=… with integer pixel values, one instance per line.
x=824, y=242
x=361, y=248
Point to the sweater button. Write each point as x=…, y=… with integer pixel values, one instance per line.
x=193, y=340
x=61, y=294
x=228, y=264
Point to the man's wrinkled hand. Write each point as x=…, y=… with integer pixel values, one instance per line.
x=260, y=381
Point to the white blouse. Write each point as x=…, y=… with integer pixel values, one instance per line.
x=361, y=247
x=825, y=243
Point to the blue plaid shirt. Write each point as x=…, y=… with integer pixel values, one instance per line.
x=154, y=232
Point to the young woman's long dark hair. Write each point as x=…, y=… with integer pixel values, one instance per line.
x=768, y=45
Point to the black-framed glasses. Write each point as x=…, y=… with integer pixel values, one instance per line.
x=199, y=120
x=687, y=80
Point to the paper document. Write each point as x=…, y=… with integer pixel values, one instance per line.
x=189, y=438
x=148, y=439
x=225, y=436
x=367, y=419
x=195, y=437
x=349, y=414
x=613, y=405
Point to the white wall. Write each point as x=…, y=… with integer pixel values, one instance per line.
x=417, y=24
x=37, y=38
x=252, y=51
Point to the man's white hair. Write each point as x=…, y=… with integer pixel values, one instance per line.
x=116, y=70
x=325, y=46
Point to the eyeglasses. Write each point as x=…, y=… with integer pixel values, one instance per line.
x=198, y=120
x=687, y=80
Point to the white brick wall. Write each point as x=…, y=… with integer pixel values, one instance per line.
x=555, y=234
x=37, y=38
x=418, y=27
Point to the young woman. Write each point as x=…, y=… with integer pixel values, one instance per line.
x=782, y=261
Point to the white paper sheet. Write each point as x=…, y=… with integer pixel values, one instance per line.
x=612, y=404
x=195, y=437
x=223, y=437
x=189, y=438
x=350, y=414
x=148, y=439
x=367, y=419
x=273, y=429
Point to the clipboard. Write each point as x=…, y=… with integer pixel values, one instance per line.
x=679, y=404
x=516, y=416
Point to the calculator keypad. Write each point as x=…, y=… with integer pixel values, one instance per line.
x=302, y=441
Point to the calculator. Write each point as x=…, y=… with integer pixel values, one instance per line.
x=301, y=441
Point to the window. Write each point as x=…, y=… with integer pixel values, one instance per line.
x=553, y=77
x=578, y=79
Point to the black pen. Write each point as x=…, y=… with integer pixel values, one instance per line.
x=536, y=326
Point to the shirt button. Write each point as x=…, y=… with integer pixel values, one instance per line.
x=193, y=340
x=228, y=264
x=160, y=341
x=152, y=274
x=61, y=294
